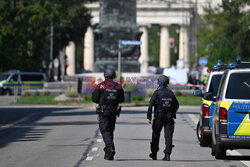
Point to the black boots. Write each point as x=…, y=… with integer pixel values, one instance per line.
x=109, y=155
x=153, y=156
x=166, y=158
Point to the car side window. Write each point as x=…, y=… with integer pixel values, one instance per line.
x=222, y=85
x=238, y=86
x=14, y=78
x=28, y=77
x=215, y=81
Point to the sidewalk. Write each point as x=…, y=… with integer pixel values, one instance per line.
x=6, y=100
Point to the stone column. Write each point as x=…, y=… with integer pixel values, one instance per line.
x=164, y=47
x=144, y=50
x=183, y=46
x=89, y=50
x=71, y=56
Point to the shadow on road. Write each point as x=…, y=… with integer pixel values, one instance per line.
x=164, y=161
x=24, y=131
x=238, y=157
x=133, y=160
x=27, y=131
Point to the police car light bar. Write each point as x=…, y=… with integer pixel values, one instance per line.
x=238, y=59
x=243, y=65
x=231, y=65
x=219, y=67
x=238, y=64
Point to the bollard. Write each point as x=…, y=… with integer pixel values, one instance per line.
x=15, y=94
x=127, y=96
x=79, y=88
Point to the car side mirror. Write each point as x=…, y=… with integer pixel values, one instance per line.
x=198, y=92
x=209, y=96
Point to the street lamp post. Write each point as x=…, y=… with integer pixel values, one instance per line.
x=196, y=34
x=51, y=50
x=119, y=60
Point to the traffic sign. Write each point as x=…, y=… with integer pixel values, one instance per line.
x=130, y=42
x=203, y=61
x=124, y=42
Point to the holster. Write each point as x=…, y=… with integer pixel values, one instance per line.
x=99, y=110
x=118, y=112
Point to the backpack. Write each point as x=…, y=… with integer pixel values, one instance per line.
x=165, y=101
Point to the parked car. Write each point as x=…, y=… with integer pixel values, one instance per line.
x=204, y=125
x=21, y=80
x=231, y=120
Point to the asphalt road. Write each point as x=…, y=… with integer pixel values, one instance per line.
x=69, y=137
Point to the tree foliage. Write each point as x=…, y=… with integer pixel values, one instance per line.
x=224, y=32
x=154, y=45
x=25, y=30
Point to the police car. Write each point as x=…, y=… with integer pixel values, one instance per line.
x=21, y=80
x=204, y=126
x=231, y=120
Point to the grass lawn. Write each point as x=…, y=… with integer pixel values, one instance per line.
x=36, y=100
x=189, y=100
x=183, y=100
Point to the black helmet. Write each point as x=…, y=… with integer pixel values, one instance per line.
x=109, y=73
x=163, y=80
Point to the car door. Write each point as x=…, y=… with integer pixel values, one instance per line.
x=238, y=92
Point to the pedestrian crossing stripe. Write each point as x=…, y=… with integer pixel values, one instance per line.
x=244, y=128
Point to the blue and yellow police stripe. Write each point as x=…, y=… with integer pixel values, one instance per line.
x=238, y=118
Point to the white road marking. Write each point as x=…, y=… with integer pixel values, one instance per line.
x=99, y=140
x=89, y=158
x=16, y=122
x=193, y=118
x=233, y=152
x=94, y=148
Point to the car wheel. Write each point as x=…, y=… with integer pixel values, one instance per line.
x=204, y=140
x=220, y=153
x=198, y=131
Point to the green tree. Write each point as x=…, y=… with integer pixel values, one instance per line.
x=154, y=44
x=224, y=32
x=25, y=30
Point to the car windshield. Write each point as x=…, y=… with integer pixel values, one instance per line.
x=214, y=85
x=238, y=86
x=4, y=76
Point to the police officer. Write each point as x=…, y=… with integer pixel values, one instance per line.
x=165, y=107
x=108, y=95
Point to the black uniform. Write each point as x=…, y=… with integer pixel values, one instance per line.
x=108, y=95
x=165, y=108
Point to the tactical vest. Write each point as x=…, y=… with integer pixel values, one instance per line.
x=110, y=95
x=165, y=101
